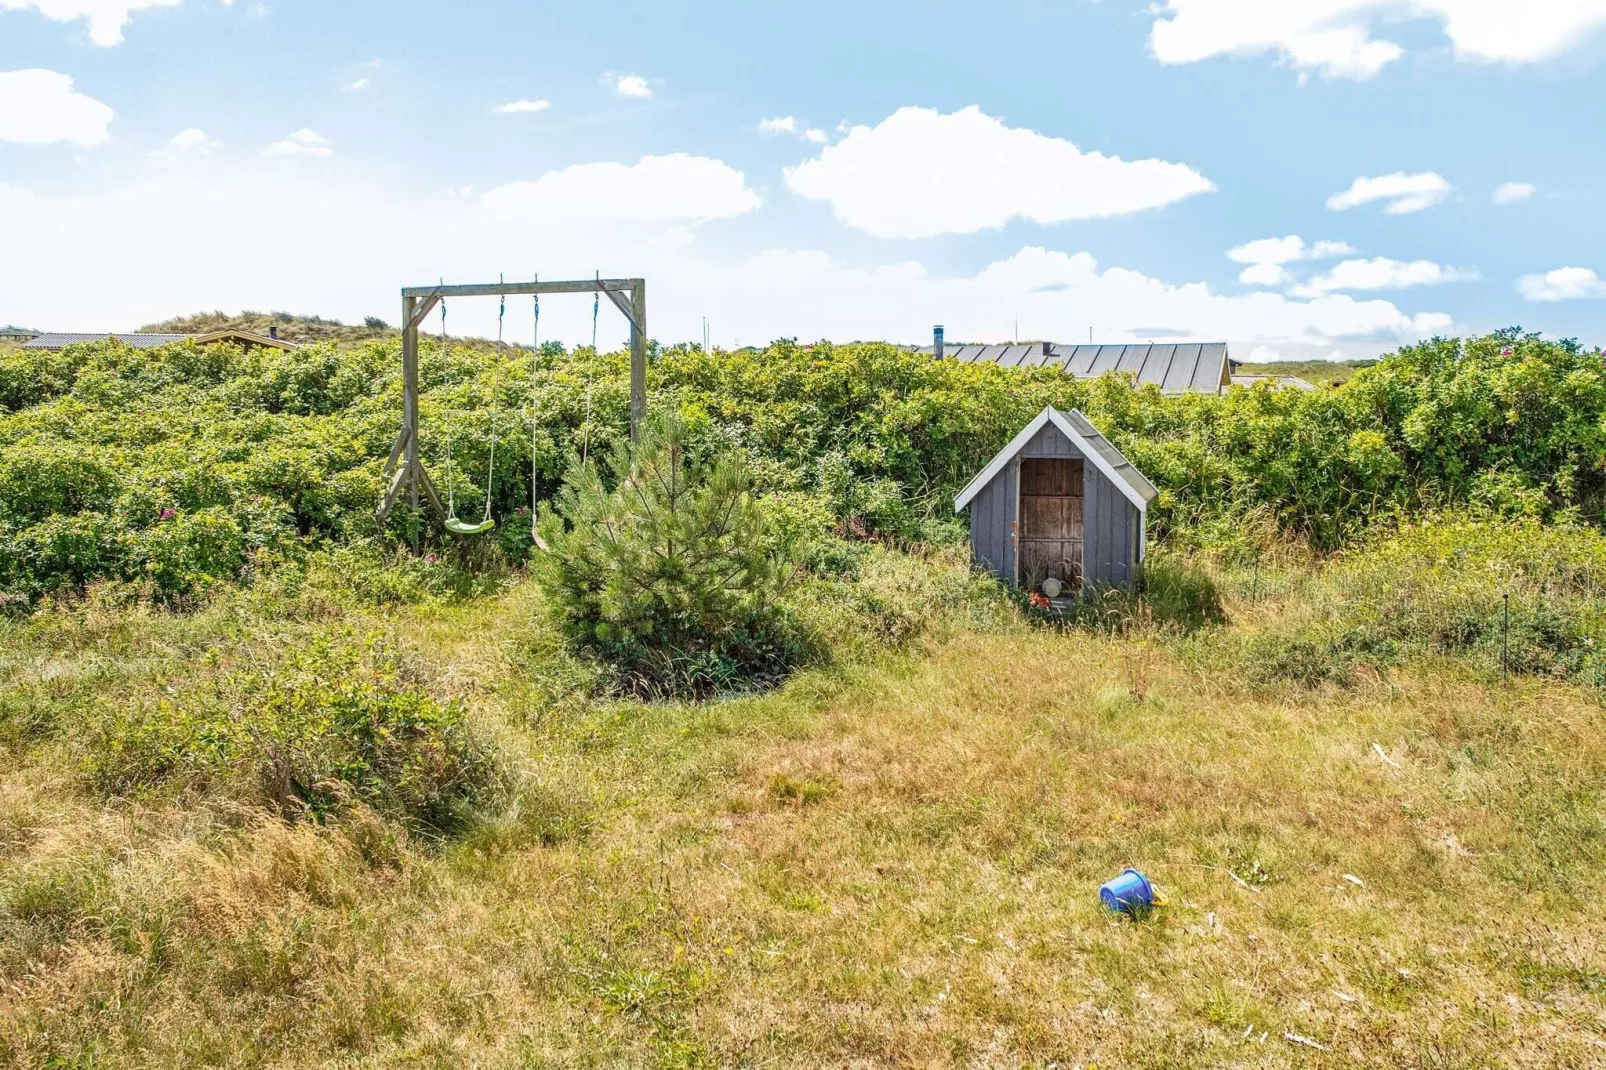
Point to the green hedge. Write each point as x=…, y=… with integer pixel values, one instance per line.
x=110, y=456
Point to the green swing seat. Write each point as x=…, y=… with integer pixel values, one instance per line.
x=463, y=527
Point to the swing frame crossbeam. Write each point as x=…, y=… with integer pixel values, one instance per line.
x=405, y=468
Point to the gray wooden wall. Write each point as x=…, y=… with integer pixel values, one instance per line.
x=1110, y=522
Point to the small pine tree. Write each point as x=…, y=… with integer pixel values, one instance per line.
x=671, y=575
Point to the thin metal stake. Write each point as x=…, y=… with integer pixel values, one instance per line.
x=1254, y=583
x=1505, y=640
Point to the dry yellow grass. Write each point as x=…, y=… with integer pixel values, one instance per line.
x=893, y=865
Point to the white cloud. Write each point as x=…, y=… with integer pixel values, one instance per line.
x=1563, y=284
x=789, y=125
x=676, y=187
x=303, y=142
x=519, y=107
x=1266, y=257
x=40, y=107
x=1404, y=193
x=629, y=86
x=1054, y=293
x=192, y=141
x=920, y=173
x=1514, y=192
x=144, y=270
x=1335, y=38
x=1380, y=273
x=106, y=17
x=1265, y=275
x=358, y=86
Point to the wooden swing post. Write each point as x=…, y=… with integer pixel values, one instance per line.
x=405, y=469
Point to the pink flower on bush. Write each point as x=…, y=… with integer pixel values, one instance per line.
x=429, y=559
x=169, y=514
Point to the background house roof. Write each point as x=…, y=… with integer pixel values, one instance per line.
x=1175, y=367
x=62, y=339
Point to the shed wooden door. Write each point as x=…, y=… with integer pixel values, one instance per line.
x=1050, y=521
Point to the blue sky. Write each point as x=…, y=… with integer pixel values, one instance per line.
x=836, y=170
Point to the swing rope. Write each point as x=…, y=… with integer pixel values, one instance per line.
x=535, y=426
x=453, y=523
x=496, y=404
x=585, y=440
x=451, y=482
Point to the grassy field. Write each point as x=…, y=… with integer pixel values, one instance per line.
x=1316, y=372
x=892, y=861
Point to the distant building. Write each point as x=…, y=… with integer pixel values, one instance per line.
x=9, y=333
x=247, y=339
x=1176, y=368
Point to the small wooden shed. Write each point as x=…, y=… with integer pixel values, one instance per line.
x=1059, y=501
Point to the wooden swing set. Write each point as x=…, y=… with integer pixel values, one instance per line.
x=405, y=468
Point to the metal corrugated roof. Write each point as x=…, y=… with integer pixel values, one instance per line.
x=61, y=340
x=1125, y=469
x=138, y=340
x=1176, y=368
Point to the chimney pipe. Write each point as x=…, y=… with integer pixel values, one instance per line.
x=273, y=332
x=936, y=341
x=1047, y=350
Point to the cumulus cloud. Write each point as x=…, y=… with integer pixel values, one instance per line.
x=358, y=86
x=143, y=271
x=1055, y=294
x=789, y=125
x=676, y=187
x=1380, y=273
x=1514, y=192
x=303, y=142
x=629, y=86
x=40, y=107
x=1404, y=193
x=921, y=173
x=192, y=141
x=1563, y=284
x=518, y=107
x=1335, y=37
x=1266, y=257
x=106, y=17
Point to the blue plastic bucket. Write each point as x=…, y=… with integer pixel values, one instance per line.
x=1130, y=893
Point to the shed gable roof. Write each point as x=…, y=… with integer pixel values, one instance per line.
x=1133, y=484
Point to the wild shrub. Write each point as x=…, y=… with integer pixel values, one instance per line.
x=343, y=720
x=1178, y=595
x=1505, y=592
x=883, y=436
x=667, y=570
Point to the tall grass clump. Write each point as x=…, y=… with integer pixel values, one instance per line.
x=305, y=731
x=1507, y=595
x=1512, y=593
x=667, y=570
